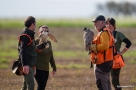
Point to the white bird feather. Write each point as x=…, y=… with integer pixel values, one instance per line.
x=44, y=35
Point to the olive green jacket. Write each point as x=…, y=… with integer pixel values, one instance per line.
x=45, y=57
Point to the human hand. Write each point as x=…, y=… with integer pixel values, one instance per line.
x=44, y=44
x=34, y=71
x=118, y=52
x=26, y=69
x=93, y=48
x=53, y=73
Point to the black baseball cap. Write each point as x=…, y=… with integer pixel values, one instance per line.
x=99, y=18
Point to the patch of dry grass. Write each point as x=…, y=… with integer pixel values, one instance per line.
x=68, y=78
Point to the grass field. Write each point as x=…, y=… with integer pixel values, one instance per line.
x=73, y=72
x=18, y=23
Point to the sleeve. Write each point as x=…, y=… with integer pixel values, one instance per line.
x=121, y=36
x=24, y=40
x=104, y=39
x=127, y=42
x=52, y=61
x=39, y=47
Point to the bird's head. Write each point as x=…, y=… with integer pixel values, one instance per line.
x=43, y=35
x=84, y=29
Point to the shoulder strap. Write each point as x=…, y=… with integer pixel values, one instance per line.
x=114, y=50
x=27, y=36
x=109, y=33
x=113, y=37
x=115, y=33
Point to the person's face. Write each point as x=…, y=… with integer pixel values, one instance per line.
x=108, y=25
x=33, y=26
x=99, y=25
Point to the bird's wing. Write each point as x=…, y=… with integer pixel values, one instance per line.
x=88, y=38
x=52, y=37
x=91, y=36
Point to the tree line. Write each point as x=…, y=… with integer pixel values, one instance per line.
x=118, y=9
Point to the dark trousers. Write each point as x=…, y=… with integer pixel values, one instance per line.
x=41, y=78
x=102, y=79
x=102, y=74
x=115, y=78
x=28, y=81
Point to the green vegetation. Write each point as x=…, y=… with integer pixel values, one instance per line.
x=130, y=53
x=4, y=63
x=68, y=55
x=3, y=60
x=72, y=65
x=18, y=23
x=8, y=47
x=126, y=22
x=3, y=66
x=11, y=23
x=131, y=61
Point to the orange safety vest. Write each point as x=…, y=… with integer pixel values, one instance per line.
x=106, y=55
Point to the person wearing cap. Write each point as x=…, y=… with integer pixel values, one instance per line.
x=102, y=53
x=43, y=59
x=27, y=51
x=119, y=38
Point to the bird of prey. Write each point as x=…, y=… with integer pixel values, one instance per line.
x=88, y=38
x=44, y=35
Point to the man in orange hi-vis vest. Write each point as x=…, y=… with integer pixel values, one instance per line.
x=102, y=53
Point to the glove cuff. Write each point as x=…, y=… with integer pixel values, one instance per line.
x=93, y=47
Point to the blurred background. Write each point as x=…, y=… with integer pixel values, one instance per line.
x=52, y=9
x=65, y=19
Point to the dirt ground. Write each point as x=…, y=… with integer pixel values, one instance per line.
x=71, y=78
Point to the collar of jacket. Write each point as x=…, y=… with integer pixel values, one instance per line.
x=102, y=29
x=29, y=31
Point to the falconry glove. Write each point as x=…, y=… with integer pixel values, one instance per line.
x=93, y=48
x=42, y=45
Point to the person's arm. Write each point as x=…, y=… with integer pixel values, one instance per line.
x=123, y=38
x=104, y=39
x=53, y=65
x=41, y=46
x=128, y=44
x=24, y=40
x=52, y=61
